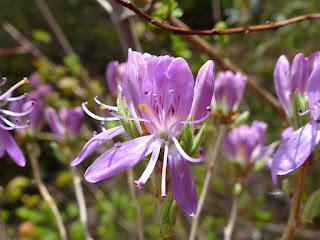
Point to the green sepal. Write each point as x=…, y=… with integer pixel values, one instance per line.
x=299, y=103
x=128, y=125
x=242, y=118
x=237, y=189
x=167, y=216
x=286, y=187
x=258, y=165
x=186, y=138
x=312, y=208
x=197, y=140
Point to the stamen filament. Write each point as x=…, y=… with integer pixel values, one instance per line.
x=16, y=114
x=164, y=170
x=14, y=87
x=4, y=80
x=185, y=155
x=300, y=113
x=99, y=118
x=104, y=106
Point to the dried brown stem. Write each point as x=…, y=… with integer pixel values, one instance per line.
x=55, y=27
x=188, y=31
x=293, y=219
x=13, y=50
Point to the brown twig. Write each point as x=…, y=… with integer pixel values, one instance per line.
x=44, y=192
x=3, y=230
x=13, y=50
x=55, y=27
x=225, y=64
x=293, y=219
x=188, y=31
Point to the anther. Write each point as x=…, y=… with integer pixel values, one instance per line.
x=146, y=92
x=155, y=95
x=118, y=145
x=171, y=91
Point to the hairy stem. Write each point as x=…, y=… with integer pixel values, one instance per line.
x=233, y=216
x=293, y=219
x=81, y=203
x=213, y=155
x=45, y=193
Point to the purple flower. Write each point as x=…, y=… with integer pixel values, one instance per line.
x=228, y=91
x=161, y=97
x=287, y=80
x=245, y=144
x=7, y=143
x=69, y=123
x=295, y=150
x=114, y=75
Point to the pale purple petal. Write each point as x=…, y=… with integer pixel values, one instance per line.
x=299, y=74
x=274, y=177
x=112, y=77
x=235, y=89
x=34, y=79
x=63, y=115
x=74, y=120
x=12, y=148
x=295, y=150
x=261, y=127
x=54, y=122
x=286, y=133
x=219, y=87
x=282, y=83
x=313, y=61
x=313, y=92
x=94, y=143
x=203, y=90
x=182, y=185
x=36, y=117
x=119, y=158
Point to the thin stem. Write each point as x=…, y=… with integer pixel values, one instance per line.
x=214, y=154
x=55, y=27
x=187, y=31
x=81, y=203
x=133, y=195
x=3, y=230
x=233, y=216
x=293, y=219
x=45, y=193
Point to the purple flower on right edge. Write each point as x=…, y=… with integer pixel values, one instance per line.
x=295, y=150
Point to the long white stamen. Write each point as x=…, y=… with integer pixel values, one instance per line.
x=14, y=87
x=185, y=155
x=164, y=170
x=104, y=105
x=16, y=114
x=103, y=119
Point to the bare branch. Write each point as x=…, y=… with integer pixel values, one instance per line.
x=13, y=50
x=188, y=31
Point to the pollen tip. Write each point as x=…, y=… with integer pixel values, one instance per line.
x=138, y=184
x=142, y=106
x=163, y=196
x=25, y=80
x=201, y=151
x=102, y=108
x=300, y=111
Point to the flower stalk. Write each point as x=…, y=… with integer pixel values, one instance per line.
x=233, y=216
x=214, y=154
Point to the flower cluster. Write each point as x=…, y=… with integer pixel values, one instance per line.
x=158, y=99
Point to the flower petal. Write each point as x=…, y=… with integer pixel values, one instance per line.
x=282, y=83
x=313, y=89
x=182, y=185
x=313, y=61
x=295, y=150
x=94, y=143
x=112, y=77
x=203, y=90
x=12, y=148
x=119, y=158
x=54, y=122
x=74, y=120
x=299, y=74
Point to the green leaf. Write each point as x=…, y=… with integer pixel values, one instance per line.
x=312, y=208
x=197, y=140
x=300, y=104
x=242, y=118
x=186, y=138
x=167, y=216
x=128, y=125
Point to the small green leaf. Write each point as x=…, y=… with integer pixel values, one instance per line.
x=300, y=104
x=186, y=138
x=167, y=216
x=197, y=140
x=286, y=187
x=242, y=118
x=312, y=207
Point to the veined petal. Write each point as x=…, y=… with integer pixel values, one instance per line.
x=182, y=185
x=313, y=88
x=295, y=150
x=299, y=74
x=282, y=83
x=94, y=143
x=313, y=61
x=12, y=148
x=286, y=133
x=112, y=77
x=119, y=158
x=203, y=90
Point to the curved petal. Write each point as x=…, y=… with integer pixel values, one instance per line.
x=286, y=133
x=313, y=88
x=12, y=148
x=203, y=90
x=74, y=120
x=182, y=185
x=299, y=74
x=119, y=158
x=235, y=90
x=313, y=61
x=282, y=83
x=112, y=77
x=94, y=143
x=54, y=122
x=295, y=150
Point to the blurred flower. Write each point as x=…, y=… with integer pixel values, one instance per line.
x=245, y=144
x=114, y=75
x=295, y=150
x=161, y=97
x=69, y=123
x=287, y=80
x=228, y=91
x=7, y=143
